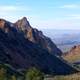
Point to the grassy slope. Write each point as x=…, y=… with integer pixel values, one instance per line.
x=75, y=76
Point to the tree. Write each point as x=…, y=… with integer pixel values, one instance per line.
x=34, y=74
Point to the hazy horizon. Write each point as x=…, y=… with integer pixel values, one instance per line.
x=64, y=39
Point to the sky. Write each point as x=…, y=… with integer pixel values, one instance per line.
x=43, y=14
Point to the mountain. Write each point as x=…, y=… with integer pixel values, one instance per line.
x=22, y=47
x=36, y=36
x=63, y=38
x=73, y=55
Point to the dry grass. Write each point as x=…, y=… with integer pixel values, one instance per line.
x=65, y=77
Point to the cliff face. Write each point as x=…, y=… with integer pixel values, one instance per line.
x=73, y=55
x=27, y=47
x=37, y=36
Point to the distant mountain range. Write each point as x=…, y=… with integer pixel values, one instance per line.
x=69, y=42
x=64, y=39
x=22, y=47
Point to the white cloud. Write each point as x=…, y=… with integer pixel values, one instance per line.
x=75, y=16
x=72, y=16
x=5, y=9
x=70, y=6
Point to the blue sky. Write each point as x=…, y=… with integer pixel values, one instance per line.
x=43, y=14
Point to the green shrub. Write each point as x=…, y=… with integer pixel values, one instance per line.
x=2, y=74
x=34, y=74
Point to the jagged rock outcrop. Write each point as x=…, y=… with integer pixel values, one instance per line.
x=73, y=55
x=37, y=36
x=22, y=53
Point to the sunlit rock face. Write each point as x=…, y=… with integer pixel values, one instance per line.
x=73, y=55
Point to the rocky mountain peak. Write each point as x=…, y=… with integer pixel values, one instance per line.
x=23, y=24
x=6, y=26
x=24, y=18
x=36, y=36
x=73, y=55
x=2, y=23
x=75, y=49
x=32, y=34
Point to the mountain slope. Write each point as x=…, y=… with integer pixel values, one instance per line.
x=73, y=55
x=64, y=39
x=21, y=53
x=36, y=36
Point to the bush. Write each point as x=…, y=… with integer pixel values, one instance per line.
x=34, y=74
x=2, y=74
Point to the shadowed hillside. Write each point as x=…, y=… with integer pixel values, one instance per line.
x=25, y=48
